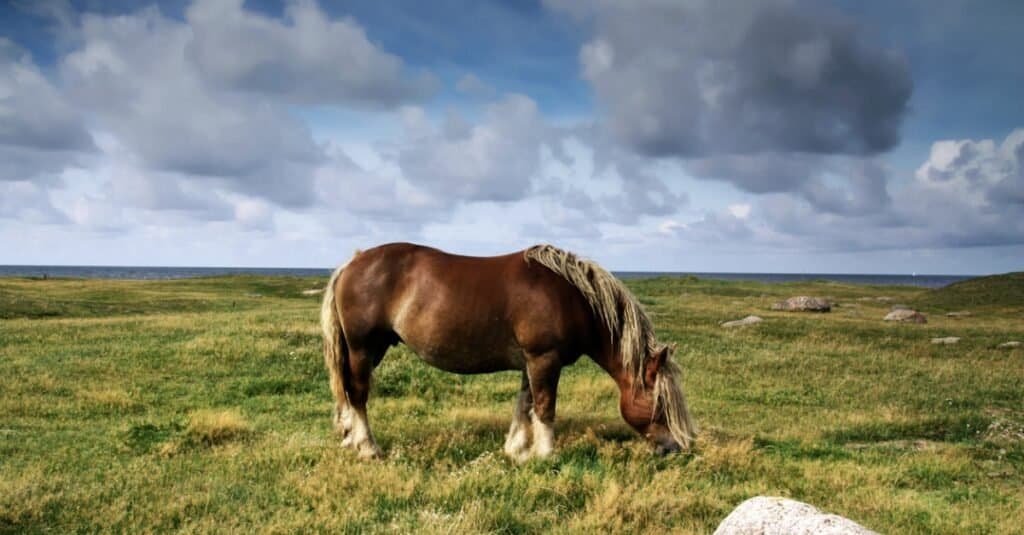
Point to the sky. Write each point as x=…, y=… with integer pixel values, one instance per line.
x=656, y=135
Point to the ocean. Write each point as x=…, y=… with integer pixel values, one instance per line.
x=160, y=272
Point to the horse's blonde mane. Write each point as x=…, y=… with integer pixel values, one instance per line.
x=628, y=325
x=616, y=307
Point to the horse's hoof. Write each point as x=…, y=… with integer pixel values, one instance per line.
x=369, y=451
x=519, y=455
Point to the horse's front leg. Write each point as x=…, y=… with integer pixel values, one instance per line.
x=543, y=371
x=517, y=444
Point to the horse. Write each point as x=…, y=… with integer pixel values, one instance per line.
x=535, y=311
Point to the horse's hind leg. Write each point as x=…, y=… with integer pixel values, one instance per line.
x=342, y=417
x=517, y=444
x=361, y=363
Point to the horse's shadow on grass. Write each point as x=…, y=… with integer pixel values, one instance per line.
x=469, y=434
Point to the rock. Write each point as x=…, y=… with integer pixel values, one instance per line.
x=803, y=303
x=766, y=515
x=961, y=314
x=906, y=315
x=947, y=340
x=749, y=320
x=1010, y=345
x=315, y=291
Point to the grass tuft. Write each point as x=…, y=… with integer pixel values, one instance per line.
x=213, y=427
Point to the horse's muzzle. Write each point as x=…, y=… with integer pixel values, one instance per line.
x=665, y=449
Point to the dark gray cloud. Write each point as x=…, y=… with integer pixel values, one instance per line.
x=305, y=57
x=35, y=115
x=699, y=78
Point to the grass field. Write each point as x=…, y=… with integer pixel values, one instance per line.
x=202, y=406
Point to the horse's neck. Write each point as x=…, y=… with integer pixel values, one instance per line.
x=609, y=358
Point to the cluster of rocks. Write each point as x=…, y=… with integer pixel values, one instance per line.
x=803, y=303
x=768, y=515
x=898, y=313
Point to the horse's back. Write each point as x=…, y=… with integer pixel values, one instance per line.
x=460, y=313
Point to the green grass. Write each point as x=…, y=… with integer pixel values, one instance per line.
x=989, y=293
x=201, y=405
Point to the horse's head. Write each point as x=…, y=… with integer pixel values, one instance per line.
x=641, y=407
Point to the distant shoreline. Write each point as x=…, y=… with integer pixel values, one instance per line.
x=162, y=273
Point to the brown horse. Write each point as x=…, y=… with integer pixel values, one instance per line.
x=535, y=310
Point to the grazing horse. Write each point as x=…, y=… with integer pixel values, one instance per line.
x=535, y=310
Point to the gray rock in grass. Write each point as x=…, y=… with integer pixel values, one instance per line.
x=749, y=320
x=906, y=315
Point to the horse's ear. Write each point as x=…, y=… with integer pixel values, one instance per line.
x=654, y=364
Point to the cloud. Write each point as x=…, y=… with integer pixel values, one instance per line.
x=470, y=84
x=981, y=171
x=305, y=58
x=40, y=132
x=355, y=197
x=833, y=184
x=968, y=193
x=132, y=74
x=28, y=202
x=492, y=160
x=703, y=78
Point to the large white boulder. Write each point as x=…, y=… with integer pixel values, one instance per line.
x=768, y=515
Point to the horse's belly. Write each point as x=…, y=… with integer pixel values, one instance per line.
x=475, y=353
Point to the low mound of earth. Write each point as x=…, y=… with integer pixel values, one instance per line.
x=992, y=292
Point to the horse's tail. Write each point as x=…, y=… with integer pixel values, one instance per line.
x=335, y=347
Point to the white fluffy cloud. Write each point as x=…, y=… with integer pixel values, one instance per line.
x=133, y=75
x=304, y=57
x=492, y=160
